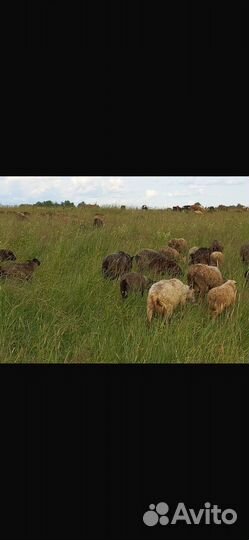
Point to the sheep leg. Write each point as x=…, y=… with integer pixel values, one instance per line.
x=196, y=289
x=167, y=313
x=203, y=289
x=217, y=310
x=124, y=290
x=150, y=311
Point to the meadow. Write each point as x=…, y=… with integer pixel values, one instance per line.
x=70, y=314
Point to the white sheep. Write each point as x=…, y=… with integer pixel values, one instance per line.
x=165, y=295
x=220, y=298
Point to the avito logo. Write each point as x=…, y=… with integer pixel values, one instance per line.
x=210, y=514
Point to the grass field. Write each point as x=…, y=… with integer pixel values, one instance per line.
x=70, y=314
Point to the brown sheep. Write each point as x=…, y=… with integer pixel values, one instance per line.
x=180, y=244
x=134, y=282
x=144, y=257
x=202, y=277
x=220, y=298
x=244, y=253
x=22, y=271
x=170, y=253
x=98, y=222
x=201, y=255
x=217, y=246
x=161, y=265
x=116, y=265
x=6, y=255
x=198, y=208
x=217, y=258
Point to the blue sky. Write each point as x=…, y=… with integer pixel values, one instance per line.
x=160, y=191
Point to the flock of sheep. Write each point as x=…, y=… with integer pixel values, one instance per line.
x=204, y=276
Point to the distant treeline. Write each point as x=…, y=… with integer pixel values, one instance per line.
x=52, y=204
x=69, y=204
x=196, y=206
x=64, y=204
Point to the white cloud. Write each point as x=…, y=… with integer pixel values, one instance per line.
x=113, y=184
x=151, y=193
x=185, y=192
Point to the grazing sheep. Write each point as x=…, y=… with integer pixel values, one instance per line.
x=6, y=255
x=144, y=257
x=247, y=277
x=202, y=277
x=244, y=253
x=165, y=295
x=217, y=246
x=217, y=258
x=21, y=215
x=116, y=264
x=198, y=208
x=220, y=298
x=21, y=271
x=144, y=207
x=134, y=282
x=180, y=244
x=170, y=253
x=201, y=255
x=191, y=252
x=98, y=222
x=161, y=265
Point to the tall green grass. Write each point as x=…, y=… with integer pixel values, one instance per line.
x=70, y=314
